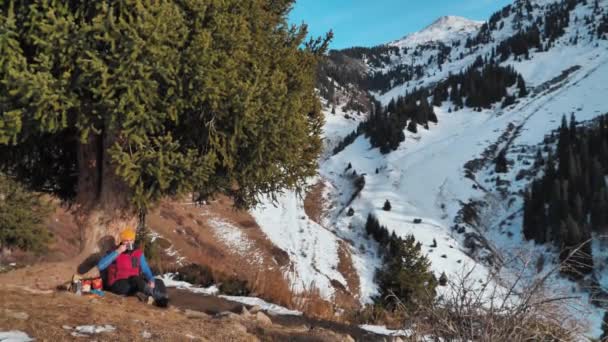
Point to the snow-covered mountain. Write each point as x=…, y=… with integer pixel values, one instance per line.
x=445, y=29
x=437, y=173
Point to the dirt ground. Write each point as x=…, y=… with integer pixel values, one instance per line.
x=46, y=317
x=313, y=203
x=53, y=317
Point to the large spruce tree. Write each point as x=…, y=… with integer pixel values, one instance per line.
x=116, y=104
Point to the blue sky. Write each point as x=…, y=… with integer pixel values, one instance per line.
x=369, y=23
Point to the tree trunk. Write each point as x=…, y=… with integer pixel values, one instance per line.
x=102, y=209
x=102, y=203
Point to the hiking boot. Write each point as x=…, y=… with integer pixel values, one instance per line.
x=162, y=302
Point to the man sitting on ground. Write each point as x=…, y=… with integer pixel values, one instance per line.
x=124, y=267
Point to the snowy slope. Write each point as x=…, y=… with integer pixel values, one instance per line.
x=425, y=177
x=312, y=249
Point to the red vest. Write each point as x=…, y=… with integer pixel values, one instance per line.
x=124, y=266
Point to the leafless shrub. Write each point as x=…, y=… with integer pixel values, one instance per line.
x=500, y=308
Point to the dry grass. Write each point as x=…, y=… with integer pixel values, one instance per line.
x=308, y=301
x=347, y=297
x=312, y=303
x=347, y=269
x=273, y=286
x=313, y=203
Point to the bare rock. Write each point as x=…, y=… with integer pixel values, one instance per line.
x=195, y=314
x=255, y=309
x=262, y=318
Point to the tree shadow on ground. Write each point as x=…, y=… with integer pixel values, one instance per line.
x=105, y=244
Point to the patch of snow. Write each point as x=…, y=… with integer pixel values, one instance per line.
x=170, y=282
x=382, y=330
x=273, y=309
x=235, y=239
x=14, y=336
x=87, y=330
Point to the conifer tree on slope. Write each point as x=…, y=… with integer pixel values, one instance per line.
x=144, y=100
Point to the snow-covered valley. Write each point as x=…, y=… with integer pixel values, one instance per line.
x=425, y=178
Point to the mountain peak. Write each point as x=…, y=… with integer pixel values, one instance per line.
x=450, y=21
x=446, y=28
